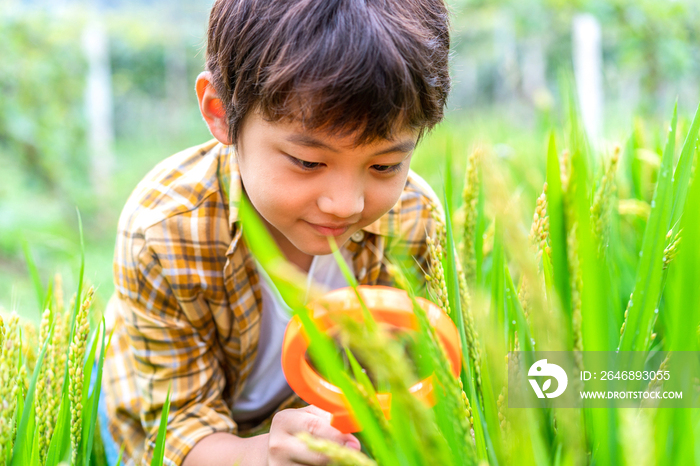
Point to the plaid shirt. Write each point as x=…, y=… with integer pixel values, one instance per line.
x=187, y=302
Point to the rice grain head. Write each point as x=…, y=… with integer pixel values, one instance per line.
x=58, y=292
x=671, y=250
x=603, y=201
x=9, y=385
x=436, y=277
x=30, y=344
x=474, y=349
x=655, y=385
x=42, y=386
x=56, y=365
x=338, y=455
x=470, y=196
x=75, y=371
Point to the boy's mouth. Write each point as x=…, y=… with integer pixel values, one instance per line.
x=330, y=230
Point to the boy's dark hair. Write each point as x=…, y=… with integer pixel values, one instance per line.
x=341, y=66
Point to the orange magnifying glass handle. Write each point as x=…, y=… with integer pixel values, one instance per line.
x=387, y=305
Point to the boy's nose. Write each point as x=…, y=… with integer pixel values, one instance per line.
x=342, y=202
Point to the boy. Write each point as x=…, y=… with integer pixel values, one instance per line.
x=315, y=107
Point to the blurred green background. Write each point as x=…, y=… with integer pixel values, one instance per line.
x=94, y=94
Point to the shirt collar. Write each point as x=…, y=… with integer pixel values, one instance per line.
x=230, y=182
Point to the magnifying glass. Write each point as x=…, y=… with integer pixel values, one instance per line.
x=389, y=306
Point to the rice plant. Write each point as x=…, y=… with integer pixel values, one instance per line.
x=608, y=263
x=512, y=288
x=48, y=413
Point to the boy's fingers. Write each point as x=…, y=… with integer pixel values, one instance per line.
x=319, y=426
x=352, y=442
x=316, y=411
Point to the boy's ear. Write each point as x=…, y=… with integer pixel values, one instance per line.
x=211, y=108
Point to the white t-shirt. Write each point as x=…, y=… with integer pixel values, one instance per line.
x=266, y=386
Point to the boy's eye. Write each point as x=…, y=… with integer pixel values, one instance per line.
x=303, y=164
x=309, y=165
x=387, y=168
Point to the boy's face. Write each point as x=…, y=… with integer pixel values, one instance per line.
x=299, y=182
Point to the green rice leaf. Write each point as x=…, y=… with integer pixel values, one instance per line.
x=548, y=278
x=90, y=413
x=683, y=296
x=350, y=278
x=449, y=406
x=682, y=319
x=647, y=288
x=484, y=444
x=684, y=168
x=557, y=228
x=515, y=314
x=81, y=277
x=359, y=373
x=25, y=432
x=159, y=449
x=35, y=444
x=87, y=376
x=598, y=333
x=119, y=458
x=60, y=440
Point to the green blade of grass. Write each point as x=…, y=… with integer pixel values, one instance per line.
x=598, y=333
x=350, y=278
x=632, y=172
x=25, y=431
x=540, y=422
x=548, y=278
x=684, y=168
x=432, y=359
x=80, y=277
x=485, y=449
x=359, y=373
x=597, y=329
x=35, y=444
x=647, y=288
x=682, y=319
x=92, y=406
x=60, y=440
x=159, y=449
x=557, y=229
x=119, y=458
x=87, y=376
x=515, y=313
x=404, y=445
x=683, y=296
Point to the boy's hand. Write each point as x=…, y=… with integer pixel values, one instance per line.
x=286, y=449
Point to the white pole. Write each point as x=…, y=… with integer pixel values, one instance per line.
x=588, y=71
x=99, y=105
